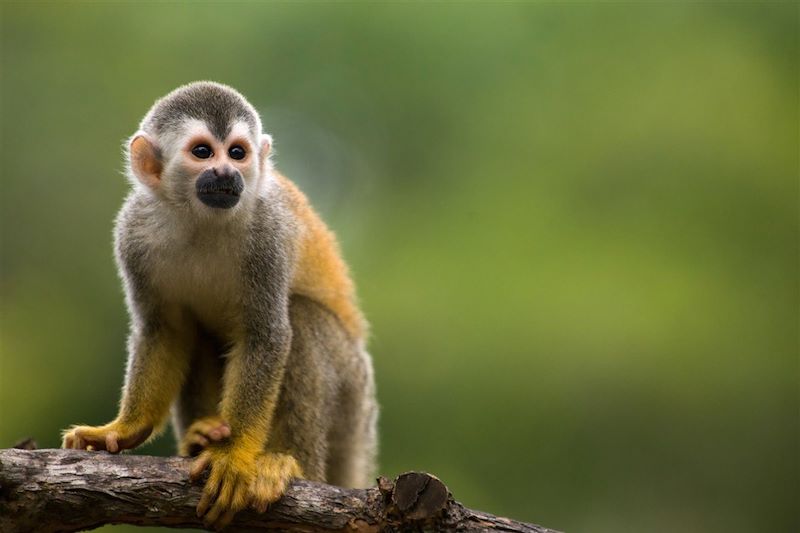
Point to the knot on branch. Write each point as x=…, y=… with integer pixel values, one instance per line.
x=414, y=496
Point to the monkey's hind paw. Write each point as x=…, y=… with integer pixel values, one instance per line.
x=274, y=471
x=113, y=437
x=201, y=433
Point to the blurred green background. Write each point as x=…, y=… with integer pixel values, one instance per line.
x=574, y=228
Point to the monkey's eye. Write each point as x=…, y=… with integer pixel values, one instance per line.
x=236, y=152
x=203, y=151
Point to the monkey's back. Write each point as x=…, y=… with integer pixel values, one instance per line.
x=320, y=272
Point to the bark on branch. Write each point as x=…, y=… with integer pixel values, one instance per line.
x=70, y=490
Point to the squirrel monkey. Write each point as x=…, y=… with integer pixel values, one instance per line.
x=244, y=321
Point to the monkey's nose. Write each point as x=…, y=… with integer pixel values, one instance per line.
x=217, y=188
x=225, y=171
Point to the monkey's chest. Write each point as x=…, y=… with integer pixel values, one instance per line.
x=204, y=282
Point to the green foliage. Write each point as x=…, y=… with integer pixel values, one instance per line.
x=573, y=227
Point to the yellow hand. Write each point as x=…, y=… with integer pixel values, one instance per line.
x=201, y=433
x=239, y=479
x=226, y=491
x=113, y=437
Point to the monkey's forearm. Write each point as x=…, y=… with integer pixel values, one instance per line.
x=255, y=368
x=252, y=384
x=156, y=370
x=155, y=373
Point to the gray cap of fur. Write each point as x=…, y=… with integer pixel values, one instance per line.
x=218, y=105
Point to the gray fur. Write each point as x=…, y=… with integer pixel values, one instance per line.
x=317, y=421
x=215, y=104
x=214, y=285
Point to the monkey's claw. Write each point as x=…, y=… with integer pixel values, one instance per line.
x=202, y=432
x=113, y=437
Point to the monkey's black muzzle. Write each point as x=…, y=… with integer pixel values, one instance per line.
x=220, y=190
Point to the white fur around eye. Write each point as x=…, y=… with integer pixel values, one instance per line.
x=238, y=131
x=173, y=141
x=190, y=129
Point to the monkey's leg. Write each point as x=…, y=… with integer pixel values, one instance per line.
x=353, y=435
x=195, y=417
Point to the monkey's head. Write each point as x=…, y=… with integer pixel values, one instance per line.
x=201, y=147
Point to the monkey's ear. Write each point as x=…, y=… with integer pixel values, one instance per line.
x=145, y=160
x=265, y=148
x=266, y=144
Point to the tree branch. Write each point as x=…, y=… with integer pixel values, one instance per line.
x=70, y=490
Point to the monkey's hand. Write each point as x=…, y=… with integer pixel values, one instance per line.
x=226, y=492
x=113, y=437
x=202, y=432
x=240, y=479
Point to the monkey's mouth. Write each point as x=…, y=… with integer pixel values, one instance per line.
x=221, y=191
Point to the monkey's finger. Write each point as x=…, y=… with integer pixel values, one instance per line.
x=217, y=433
x=72, y=439
x=210, y=519
x=230, y=503
x=202, y=506
x=199, y=465
x=212, y=429
x=259, y=505
x=206, y=499
x=204, y=425
x=225, y=519
x=111, y=442
x=192, y=445
x=89, y=436
x=197, y=438
x=267, y=490
x=223, y=503
x=260, y=494
x=210, y=492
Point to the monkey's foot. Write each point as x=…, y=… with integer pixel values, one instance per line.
x=202, y=432
x=113, y=437
x=274, y=472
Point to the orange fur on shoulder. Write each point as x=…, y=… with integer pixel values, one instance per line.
x=321, y=273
